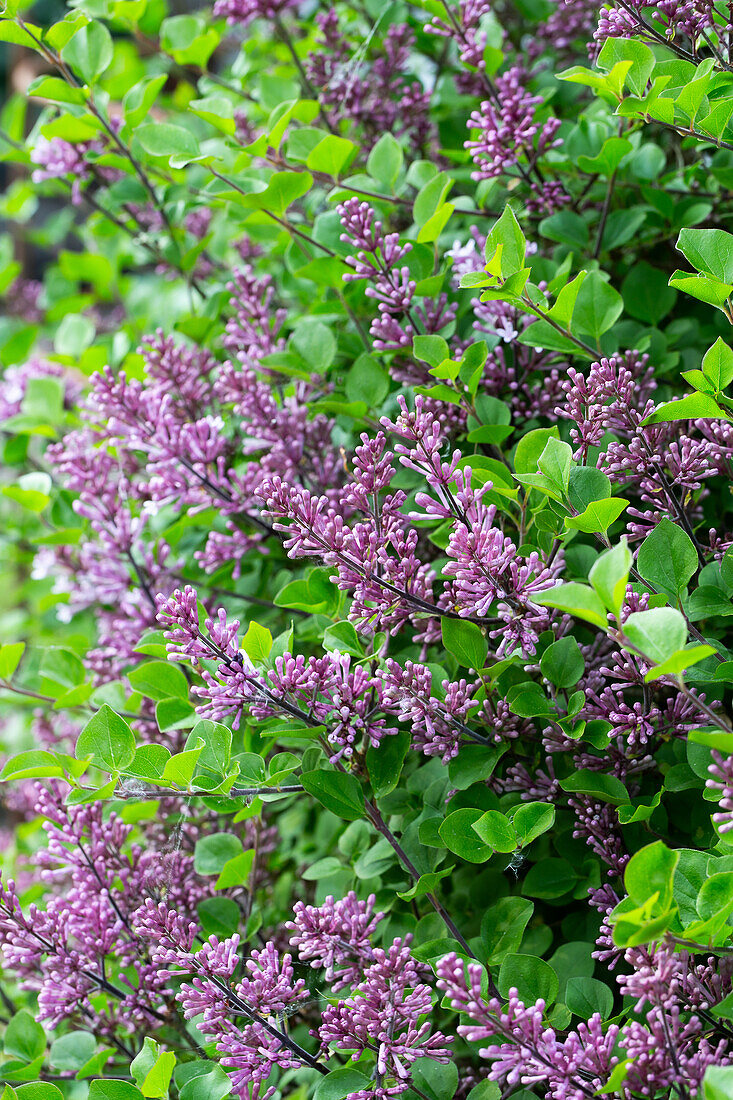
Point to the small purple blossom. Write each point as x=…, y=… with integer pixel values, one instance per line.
x=244, y=11
x=508, y=127
x=336, y=936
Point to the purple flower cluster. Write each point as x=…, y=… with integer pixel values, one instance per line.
x=57, y=159
x=508, y=128
x=242, y=1007
x=325, y=690
x=638, y=18
x=391, y=286
x=464, y=25
x=371, y=85
x=607, y=408
x=14, y=384
x=336, y=937
x=667, y=1050
x=60, y=159
x=384, y=1013
x=244, y=11
x=83, y=942
x=149, y=445
x=523, y=1050
x=376, y=558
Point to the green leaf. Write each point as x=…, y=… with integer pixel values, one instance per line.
x=550, y=878
x=650, y=871
x=562, y=663
x=703, y=287
x=214, y=851
x=236, y=871
x=459, y=836
x=532, y=977
x=657, y=633
x=113, y=1090
x=153, y=1069
x=219, y=916
x=40, y=1090
x=367, y=381
x=108, y=740
x=567, y=227
x=331, y=155
x=679, y=661
x=257, y=642
x=90, y=51
x=384, y=162
x=597, y=785
x=384, y=762
x=141, y=97
x=466, y=642
x=495, y=830
x=315, y=343
x=587, y=484
x=159, y=680
x=283, y=189
x=72, y=337
x=707, y=600
x=430, y=349
x=647, y=294
x=72, y=1051
x=615, y=1082
x=339, y=792
x=506, y=233
x=339, y=1083
x=598, y=516
x=503, y=925
x=531, y=819
x=555, y=463
x=541, y=334
x=530, y=447
x=426, y=884
x=610, y=575
x=202, y=1081
x=576, y=599
x=529, y=700
x=217, y=748
x=431, y=197
x=717, y=365
x=10, y=655
x=620, y=50
x=613, y=151
x=696, y=406
x=24, y=1038
x=717, y=1084
x=55, y=89
x=33, y=763
x=667, y=558
x=342, y=638
x=187, y=39
x=585, y=996
x=716, y=896
x=437, y=1080
x=163, y=139
x=597, y=307
x=473, y=763
x=710, y=251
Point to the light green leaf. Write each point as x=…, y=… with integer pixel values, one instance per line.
x=108, y=740
x=657, y=633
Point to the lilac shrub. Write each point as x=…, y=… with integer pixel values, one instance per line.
x=368, y=552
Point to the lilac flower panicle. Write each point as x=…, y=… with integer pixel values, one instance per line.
x=506, y=129
x=244, y=11
x=336, y=936
x=384, y=1011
